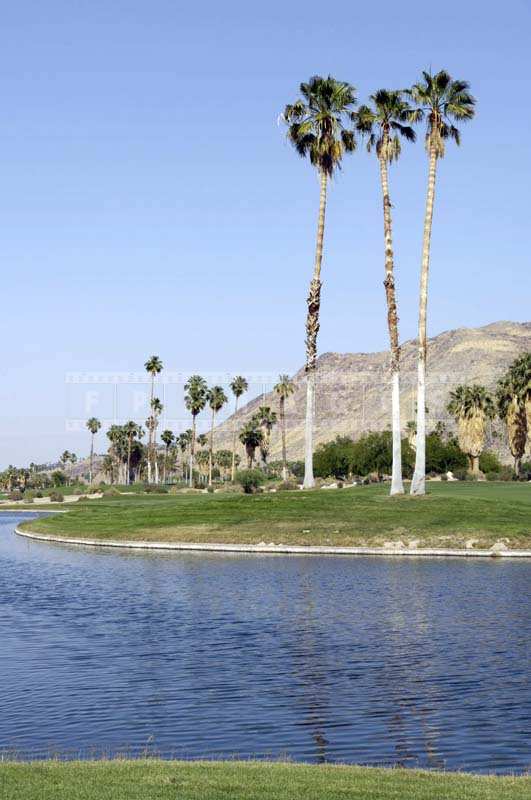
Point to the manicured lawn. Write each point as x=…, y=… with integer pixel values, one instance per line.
x=449, y=515
x=167, y=780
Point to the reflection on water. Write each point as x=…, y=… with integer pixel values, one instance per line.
x=373, y=661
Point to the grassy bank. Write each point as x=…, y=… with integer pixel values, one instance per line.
x=448, y=516
x=167, y=780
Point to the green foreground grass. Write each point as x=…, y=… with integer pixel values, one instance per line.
x=165, y=780
x=450, y=515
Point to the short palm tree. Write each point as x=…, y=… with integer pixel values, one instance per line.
x=202, y=440
x=238, y=386
x=131, y=431
x=251, y=436
x=168, y=439
x=216, y=400
x=153, y=366
x=384, y=123
x=512, y=410
x=520, y=370
x=195, y=400
x=184, y=443
x=266, y=420
x=471, y=407
x=317, y=129
x=93, y=425
x=284, y=388
x=443, y=102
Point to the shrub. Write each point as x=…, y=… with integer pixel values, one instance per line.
x=492, y=476
x=250, y=479
x=461, y=473
x=56, y=497
x=15, y=495
x=153, y=488
x=287, y=486
x=489, y=462
x=210, y=489
x=507, y=473
x=58, y=478
x=38, y=493
x=111, y=492
x=525, y=471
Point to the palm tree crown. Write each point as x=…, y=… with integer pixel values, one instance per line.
x=153, y=365
x=238, y=385
x=385, y=122
x=443, y=101
x=93, y=424
x=196, y=394
x=316, y=123
x=467, y=402
x=284, y=387
x=216, y=398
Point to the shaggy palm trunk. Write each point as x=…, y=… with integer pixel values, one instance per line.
x=397, y=487
x=211, y=448
x=418, y=484
x=517, y=430
x=233, y=464
x=282, y=414
x=312, y=329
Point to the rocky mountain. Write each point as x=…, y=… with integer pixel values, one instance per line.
x=353, y=396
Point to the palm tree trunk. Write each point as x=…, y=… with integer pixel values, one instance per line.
x=211, y=448
x=233, y=465
x=91, y=457
x=282, y=414
x=397, y=486
x=312, y=329
x=192, y=451
x=128, y=476
x=418, y=483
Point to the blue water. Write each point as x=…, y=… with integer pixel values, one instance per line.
x=364, y=660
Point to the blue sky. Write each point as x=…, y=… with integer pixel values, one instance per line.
x=150, y=204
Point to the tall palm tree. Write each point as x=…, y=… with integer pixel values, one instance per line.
x=443, y=102
x=153, y=366
x=238, y=386
x=251, y=436
x=117, y=450
x=266, y=419
x=384, y=123
x=284, y=388
x=512, y=410
x=195, y=400
x=471, y=407
x=93, y=424
x=216, y=400
x=316, y=129
x=168, y=438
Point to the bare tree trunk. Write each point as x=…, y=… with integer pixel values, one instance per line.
x=475, y=465
x=150, y=437
x=233, y=465
x=418, y=484
x=192, y=452
x=397, y=486
x=91, y=457
x=211, y=448
x=282, y=414
x=312, y=329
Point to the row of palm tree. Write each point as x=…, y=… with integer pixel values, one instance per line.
x=472, y=407
x=324, y=125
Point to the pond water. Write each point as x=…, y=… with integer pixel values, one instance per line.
x=417, y=662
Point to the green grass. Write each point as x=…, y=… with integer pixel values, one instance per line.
x=174, y=780
x=448, y=516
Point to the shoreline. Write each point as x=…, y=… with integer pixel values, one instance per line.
x=282, y=549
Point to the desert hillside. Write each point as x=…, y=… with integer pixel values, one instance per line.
x=352, y=388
